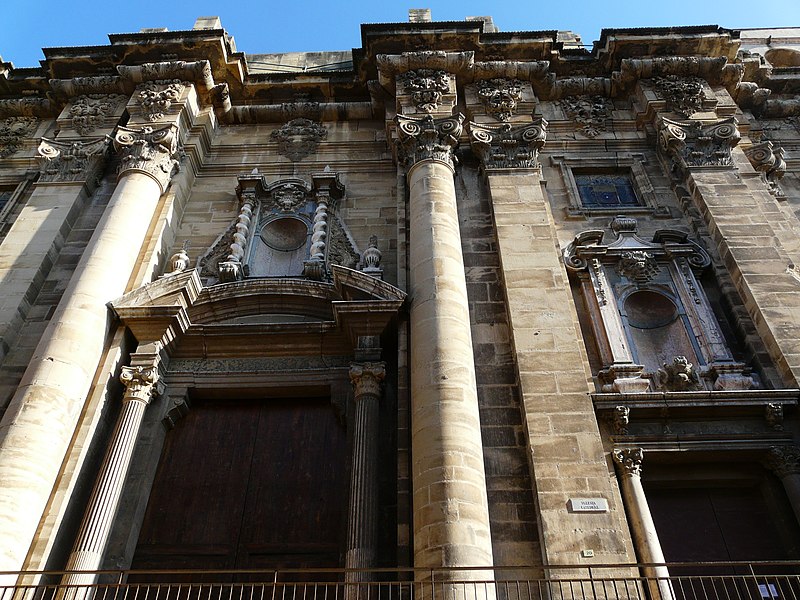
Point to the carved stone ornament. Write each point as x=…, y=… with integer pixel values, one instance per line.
x=149, y=151
x=288, y=197
x=621, y=418
x=678, y=376
x=367, y=379
x=90, y=111
x=140, y=383
x=299, y=138
x=783, y=460
x=61, y=162
x=157, y=97
x=500, y=96
x=179, y=261
x=684, y=95
x=426, y=86
x=630, y=460
x=25, y=107
x=698, y=144
x=13, y=131
x=428, y=139
x=372, y=258
x=340, y=248
x=637, y=266
x=590, y=113
x=769, y=162
x=773, y=415
x=506, y=147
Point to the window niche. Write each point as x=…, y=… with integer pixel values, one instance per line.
x=608, y=185
x=652, y=321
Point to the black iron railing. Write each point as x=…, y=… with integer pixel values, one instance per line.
x=680, y=581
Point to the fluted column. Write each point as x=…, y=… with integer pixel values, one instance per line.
x=37, y=427
x=784, y=461
x=629, y=463
x=140, y=386
x=451, y=517
x=362, y=530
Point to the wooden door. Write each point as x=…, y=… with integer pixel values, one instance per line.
x=249, y=484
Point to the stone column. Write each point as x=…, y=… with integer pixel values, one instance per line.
x=784, y=461
x=362, y=529
x=451, y=518
x=37, y=427
x=629, y=462
x=141, y=383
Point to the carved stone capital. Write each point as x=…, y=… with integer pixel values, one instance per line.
x=367, y=378
x=428, y=139
x=697, y=144
x=152, y=152
x=506, y=147
x=783, y=460
x=141, y=383
x=70, y=161
x=629, y=461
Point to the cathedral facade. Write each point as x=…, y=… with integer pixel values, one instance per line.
x=456, y=306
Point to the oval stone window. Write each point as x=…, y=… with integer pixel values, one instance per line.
x=650, y=310
x=285, y=234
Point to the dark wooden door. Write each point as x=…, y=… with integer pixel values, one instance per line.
x=249, y=484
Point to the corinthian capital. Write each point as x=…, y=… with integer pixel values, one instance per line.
x=783, y=460
x=70, y=161
x=367, y=378
x=629, y=460
x=698, y=144
x=507, y=147
x=152, y=152
x=428, y=139
x=140, y=383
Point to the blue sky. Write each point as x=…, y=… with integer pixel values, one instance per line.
x=295, y=25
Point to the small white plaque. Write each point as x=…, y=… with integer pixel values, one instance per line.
x=591, y=505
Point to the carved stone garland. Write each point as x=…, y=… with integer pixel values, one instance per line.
x=500, y=96
x=590, y=113
x=698, y=144
x=684, y=95
x=62, y=162
x=506, y=147
x=90, y=111
x=156, y=97
x=299, y=138
x=426, y=86
x=13, y=130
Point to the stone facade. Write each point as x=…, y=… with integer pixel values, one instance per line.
x=548, y=297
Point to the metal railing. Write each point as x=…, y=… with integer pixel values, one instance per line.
x=686, y=581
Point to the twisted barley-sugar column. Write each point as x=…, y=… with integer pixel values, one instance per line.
x=37, y=427
x=451, y=516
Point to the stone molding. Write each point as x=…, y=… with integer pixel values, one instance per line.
x=367, y=379
x=695, y=144
x=299, y=138
x=141, y=383
x=157, y=97
x=152, y=152
x=391, y=65
x=783, y=460
x=70, y=161
x=77, y=86
x=507, y=147
x=26, y=107
x=13, y=131
x=90, y=111
x=198, y=71
x=629, y=460
x=715, y=70
x=428, y=139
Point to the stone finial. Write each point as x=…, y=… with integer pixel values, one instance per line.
x=367, y=378
x=179, y=261
x=372, y=258
x=152, y=152
x=428, y=139
x=783, y=460
x=67, y=161
x=629, y=460
x=697, y=144
x=507, y=147
x=140, y=383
